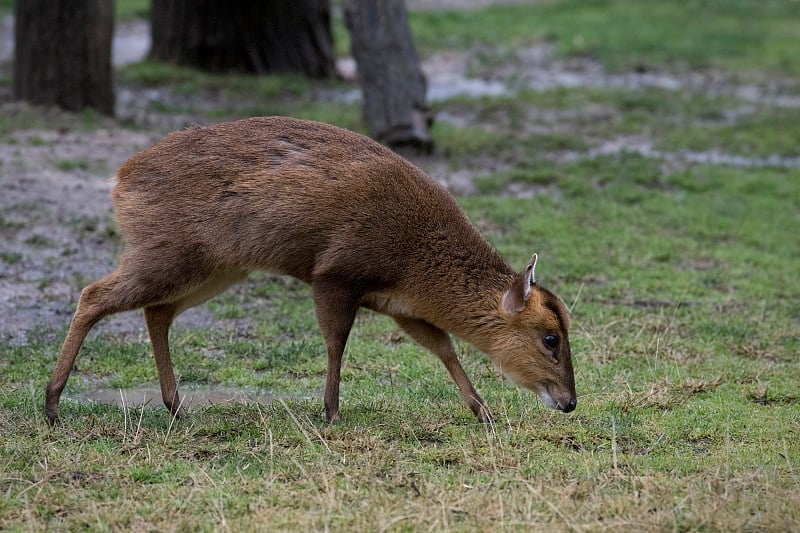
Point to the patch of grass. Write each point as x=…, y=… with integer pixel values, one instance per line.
x=68, y=165
x=10, y=258
x=683, y=289
x=767, y=133
x=627, y=34
x=40, y=241
x=82, y=164
x=469, y=142
x=341, y=114
x=22, y=117
x=129, y=9
x=185, y=91
x=602, y=113
x=672, y=121
x=453, y=141
x=346, y=115
x=189, y=81
x=12, y=223
x=154, y=74
x=630, y=174
x=35, y=140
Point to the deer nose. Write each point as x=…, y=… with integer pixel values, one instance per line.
x=570, y=406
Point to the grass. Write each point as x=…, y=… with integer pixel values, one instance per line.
x=685, y=337
x=673, y=120
x=767, y=133
x=625, y=34
x=190, y=81
x=130, y=9
x=683, y=282
x=186, y=91
x=26, y=117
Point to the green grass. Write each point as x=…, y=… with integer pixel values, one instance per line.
x=624, y=34
x=187, y=91
x=770, y=132
x=673, y=120
x=684, y=293
x=189, y=81
x=129, y=9
x=28, y=117
x=683, y=281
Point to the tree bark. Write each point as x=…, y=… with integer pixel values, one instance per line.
x=63, y=53
x=391, y=80
x=247, y=36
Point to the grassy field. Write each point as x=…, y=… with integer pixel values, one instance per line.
x=683, y=280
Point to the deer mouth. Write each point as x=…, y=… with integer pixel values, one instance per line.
x=546, y=398
x=566, y=406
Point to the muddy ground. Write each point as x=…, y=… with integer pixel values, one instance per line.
x=56, y=230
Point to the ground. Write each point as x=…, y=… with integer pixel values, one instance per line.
x=56, y=211
x=648, y=151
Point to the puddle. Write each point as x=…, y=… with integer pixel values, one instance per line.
x=150, y=397
x=131, y=42
x=710, y=157
x=444, y=75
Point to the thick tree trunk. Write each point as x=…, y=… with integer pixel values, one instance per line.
x=63, y=53
x=246, y=36
x=392, y=83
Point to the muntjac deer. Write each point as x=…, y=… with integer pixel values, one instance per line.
x=361, y=225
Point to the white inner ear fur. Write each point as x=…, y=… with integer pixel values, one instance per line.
x=532, y=268
x=513, y=301
x=527, y=289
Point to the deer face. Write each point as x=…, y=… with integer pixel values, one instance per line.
x=532, y=348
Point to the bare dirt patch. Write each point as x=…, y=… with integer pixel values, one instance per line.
x=57, y=232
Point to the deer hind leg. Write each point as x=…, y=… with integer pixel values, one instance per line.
x=139, y=281
x=159, y=319
x=438, y=342
x=104, y=297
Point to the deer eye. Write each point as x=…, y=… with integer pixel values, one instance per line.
x=550, y=341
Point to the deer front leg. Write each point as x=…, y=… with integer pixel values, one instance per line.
x=438, y=341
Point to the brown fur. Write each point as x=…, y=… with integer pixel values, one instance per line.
x=361, y=225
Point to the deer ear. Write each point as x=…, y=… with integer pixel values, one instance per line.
x=515, y=298
x=531, y=269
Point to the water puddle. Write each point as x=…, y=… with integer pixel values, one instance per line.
x=442, y=85
x=709, y=157
x=150, y=397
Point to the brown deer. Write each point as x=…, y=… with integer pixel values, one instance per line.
x=361, y=225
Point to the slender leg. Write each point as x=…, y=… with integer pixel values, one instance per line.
x=336, y=309
x=158, y=319
x=139, y=281
x=438, y=341
x=97, y=300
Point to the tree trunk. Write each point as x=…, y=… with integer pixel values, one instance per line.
x=246, y=36
x=392, y=83
x=63, y=53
